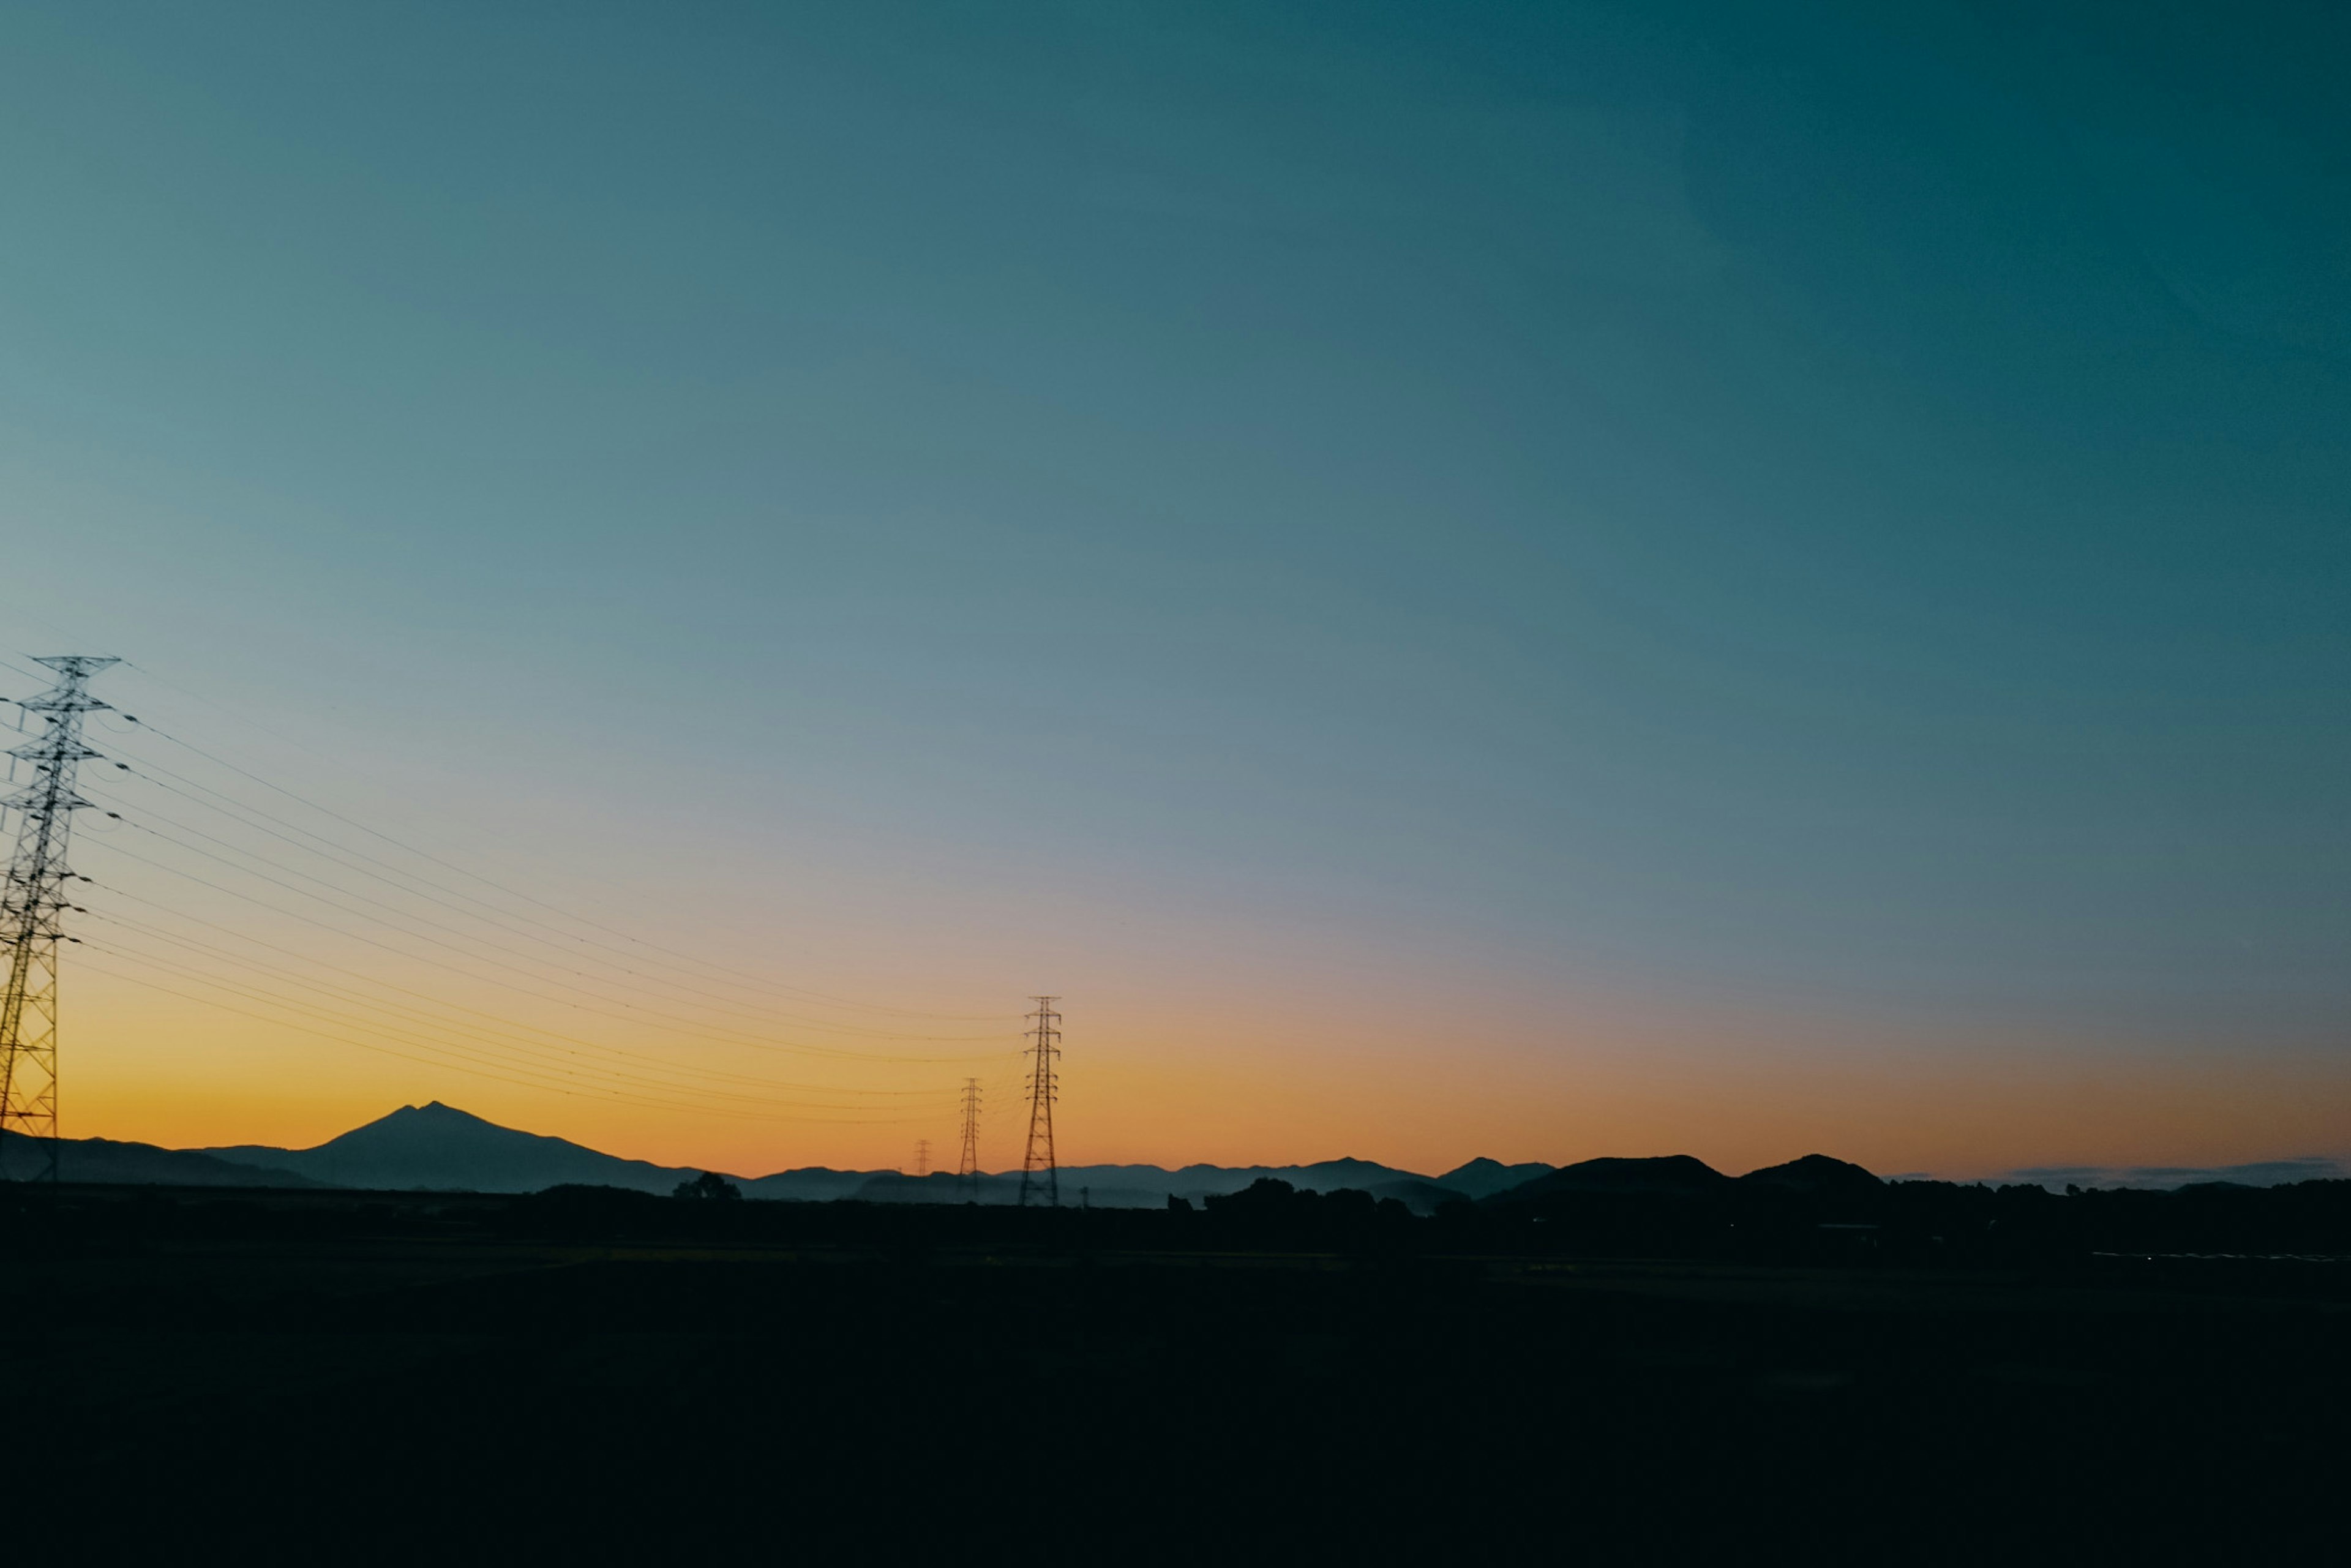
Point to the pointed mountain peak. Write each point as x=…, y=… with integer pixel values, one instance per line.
x=439, y=1148
x=432, y=1112
x=1483, y=1177
x=433, y=1124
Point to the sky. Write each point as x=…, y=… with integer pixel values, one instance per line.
x=1528, y=580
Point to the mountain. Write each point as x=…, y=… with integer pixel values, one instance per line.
x=1197, y=1182
x=1675, y=1175
x=817, y=1184
x=2167, y=1179
x=945, y=1187
x=1147, y=1186
x=1815, y=1176
x=1150, y=1187
x=1420, y=1195
x=1483, y=1177
x=438, y=1147
x=104, y=1161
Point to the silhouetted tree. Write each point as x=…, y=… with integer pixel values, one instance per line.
x=709, y=1184
x=1267, y=1196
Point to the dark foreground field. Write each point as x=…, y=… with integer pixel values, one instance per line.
x=362, y=1377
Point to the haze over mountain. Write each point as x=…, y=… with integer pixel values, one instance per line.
x=1150, y=1187
x=1483, y=1177
x=437, y=1147
x=2261, y=1173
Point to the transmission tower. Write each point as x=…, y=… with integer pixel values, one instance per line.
x=968, y=1162
x=1044, y=1087
x=33, y=905
x=922, y=1156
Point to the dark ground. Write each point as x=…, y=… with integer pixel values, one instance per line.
x=371, y=1377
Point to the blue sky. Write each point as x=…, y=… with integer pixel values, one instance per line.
x=1840, y=509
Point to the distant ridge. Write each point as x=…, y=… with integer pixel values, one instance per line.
x=106, y=1162
x=2165, y=1178
x=812, y=1184
x=437, y=1147
x=1484, y=1177
x=1150, y=1187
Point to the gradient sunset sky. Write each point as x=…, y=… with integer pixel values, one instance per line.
x=1535, y=581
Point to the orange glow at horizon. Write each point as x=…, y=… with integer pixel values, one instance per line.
x=1296, y=1085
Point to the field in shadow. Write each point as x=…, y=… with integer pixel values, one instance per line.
x=387, y=1378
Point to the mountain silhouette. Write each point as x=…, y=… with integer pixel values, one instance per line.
x=818, y=1183
x=1680, y=1176
x=1201, y=1181
x=438, y=1147
x=1149, y=1187
x=1483, y=1177
x=105, y=1161
x=1815, y=1176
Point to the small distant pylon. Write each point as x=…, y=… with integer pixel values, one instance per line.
x=968, y=1162
x=1038, y=1168
x=33, y=905
x=922, y=1156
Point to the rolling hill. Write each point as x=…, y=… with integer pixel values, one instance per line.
x=106, y=1162
x=437, y=1147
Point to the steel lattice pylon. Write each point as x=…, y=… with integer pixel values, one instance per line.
x=968, y=1162
x=1044, y=1088
x=32, y=908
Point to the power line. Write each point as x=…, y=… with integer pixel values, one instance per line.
x=402, y=879
x=653, y=1093
x=29, y=675
x=567, y=1055
x=498, y=1047
x=469, y=945
x=295, y=977
x=527, y=898
x=476, y=1071
x=721, y=1036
